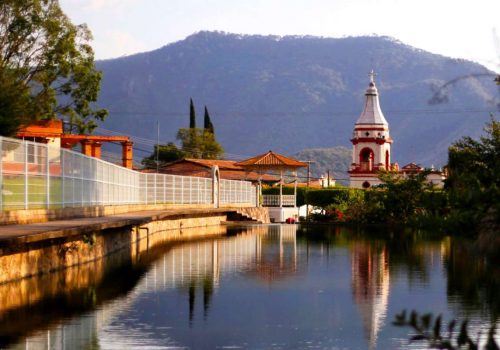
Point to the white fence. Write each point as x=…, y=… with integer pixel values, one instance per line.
x=34, y=175
x=273, y=200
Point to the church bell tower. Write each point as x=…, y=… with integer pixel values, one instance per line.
x=371, y=142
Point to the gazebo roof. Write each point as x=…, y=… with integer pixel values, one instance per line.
x=271, y=160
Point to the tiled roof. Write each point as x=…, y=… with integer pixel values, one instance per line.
x=412, y=166
x=271, y=160
x=209, y=163
x=202, y=168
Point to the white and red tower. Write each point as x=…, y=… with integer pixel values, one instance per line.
x=371, y=142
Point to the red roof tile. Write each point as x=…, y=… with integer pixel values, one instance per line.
x=271, y=160
x=203, y=168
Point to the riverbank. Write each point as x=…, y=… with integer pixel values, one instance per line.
x=32, y=249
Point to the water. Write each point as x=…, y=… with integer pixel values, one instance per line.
x=267, y=287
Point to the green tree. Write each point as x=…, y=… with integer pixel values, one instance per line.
x=207, y=123
x=198, y=143
x=14, y=104
x=192, y=115
x=473, y=180
x=166, y=154
x=401, y=196
x=47, y=67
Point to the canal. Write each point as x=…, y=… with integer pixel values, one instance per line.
x=257, y=287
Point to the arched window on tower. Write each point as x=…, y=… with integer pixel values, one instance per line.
x=366, y=159
x=387, y=160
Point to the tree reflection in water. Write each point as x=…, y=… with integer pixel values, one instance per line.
x=473, y=281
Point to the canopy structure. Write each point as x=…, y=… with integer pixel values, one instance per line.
x=274, y=162
x=271, y=161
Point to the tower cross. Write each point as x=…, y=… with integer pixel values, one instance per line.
x=372, y=76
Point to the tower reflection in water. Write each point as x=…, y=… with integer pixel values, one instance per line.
x=370, y=286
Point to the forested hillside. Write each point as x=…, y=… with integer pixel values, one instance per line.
x=293, y=93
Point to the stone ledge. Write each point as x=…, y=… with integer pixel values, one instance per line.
x=32, y=216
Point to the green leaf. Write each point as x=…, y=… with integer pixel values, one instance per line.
x=437, y=328
x=463, y=337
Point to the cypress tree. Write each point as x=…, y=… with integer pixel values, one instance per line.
x=208, y=126
x=192, y=115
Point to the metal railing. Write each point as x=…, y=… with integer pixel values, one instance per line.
x=273, y=200
x=35, y=175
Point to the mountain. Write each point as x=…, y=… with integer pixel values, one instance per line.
x=336, y=160
x=293, y=93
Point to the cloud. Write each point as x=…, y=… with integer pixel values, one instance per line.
x=119, y=43
x=99, y=5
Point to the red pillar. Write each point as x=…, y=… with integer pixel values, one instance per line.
x=127, y=155
x=87, y=147
x=96, y=149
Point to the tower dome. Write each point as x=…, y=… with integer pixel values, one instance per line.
x=372, y=114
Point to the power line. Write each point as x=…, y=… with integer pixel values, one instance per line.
x=466, y=109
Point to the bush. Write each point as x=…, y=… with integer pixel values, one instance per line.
x=339, y=198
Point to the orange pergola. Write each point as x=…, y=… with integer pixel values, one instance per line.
x=44, y=130
x=271, y=161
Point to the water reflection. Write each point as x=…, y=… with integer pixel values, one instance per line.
x=472, y=282
x=370, y=286
x=260, y=287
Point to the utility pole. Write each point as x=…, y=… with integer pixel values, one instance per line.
x=308, y=181
x=158, y=147
x=328, y=179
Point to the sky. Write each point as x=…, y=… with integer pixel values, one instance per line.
x=468, y=29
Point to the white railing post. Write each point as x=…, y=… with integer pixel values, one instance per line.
x=174, y=198
x=63, y=195
x=47, y=176
x=1, y=173
x=164, y=188
x=156, y=187
x=25, y=175
x=82, y=181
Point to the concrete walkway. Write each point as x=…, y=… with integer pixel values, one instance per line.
x=30, y=233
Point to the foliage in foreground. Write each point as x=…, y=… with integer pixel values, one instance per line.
x=398, y=201
x=473, y=183
x=431, y=332
x=46, y=67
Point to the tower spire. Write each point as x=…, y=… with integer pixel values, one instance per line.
x=372, y=76
x=372, y=114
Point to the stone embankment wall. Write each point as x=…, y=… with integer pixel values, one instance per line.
x=43, y=215
x=20, y=261
x=259, y=214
